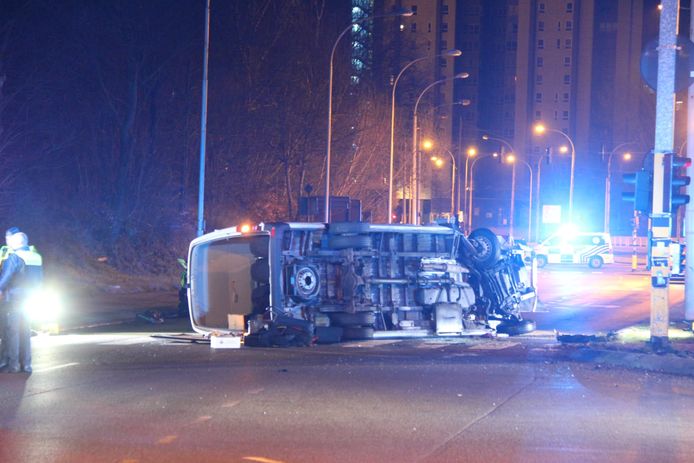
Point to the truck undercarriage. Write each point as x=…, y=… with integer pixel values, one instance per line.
x=354, y=280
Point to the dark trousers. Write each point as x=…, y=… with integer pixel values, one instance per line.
x=17, y=349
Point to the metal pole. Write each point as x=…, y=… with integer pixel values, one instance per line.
x=414, y=209
x=453, y=170
x=537, y=201
x=689, y=208
x=606, y=223
x=203, y=125
x=513, y=200
x=530, y=200
x=660, y=223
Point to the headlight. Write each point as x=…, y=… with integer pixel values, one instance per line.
x=43, y=305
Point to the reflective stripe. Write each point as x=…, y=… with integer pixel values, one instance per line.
x=31, y=258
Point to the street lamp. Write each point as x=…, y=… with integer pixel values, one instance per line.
x=439, y=163
x=203, y=125
x=510, y=158
x=450, y=53
x=608, y=185
x=540, y=130
x=415, y=184
x=326, y=216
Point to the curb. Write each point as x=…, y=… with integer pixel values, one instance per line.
x=670, y=363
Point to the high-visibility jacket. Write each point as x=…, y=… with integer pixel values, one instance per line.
x=21, y=271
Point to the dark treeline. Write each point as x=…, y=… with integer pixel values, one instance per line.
x=100, y=118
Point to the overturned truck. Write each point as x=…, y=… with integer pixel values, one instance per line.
x=295, y=283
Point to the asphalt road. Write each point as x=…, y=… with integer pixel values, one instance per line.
x=580, y=299
x=131, y=398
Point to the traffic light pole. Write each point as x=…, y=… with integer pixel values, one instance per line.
x=661, y=219
x=689, y=211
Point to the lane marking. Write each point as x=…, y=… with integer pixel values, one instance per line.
x=371, y=343
x=231, y=404
x=57, y=367
x=256, y=391
x=202, y=419
x=262, y=460
x=167, y=439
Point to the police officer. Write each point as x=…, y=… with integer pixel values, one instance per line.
x=21, y=272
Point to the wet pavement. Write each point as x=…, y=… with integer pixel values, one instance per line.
x=121, y=397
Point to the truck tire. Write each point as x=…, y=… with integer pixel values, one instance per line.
x=357, y=332
x=338, y=242
x=541, y=260
x=306, y=283
x=348, y=228
x=260, y=248
x=260, y=270
x=260, y=297
x=487, y=246
x=516, y=327
x=351, y=319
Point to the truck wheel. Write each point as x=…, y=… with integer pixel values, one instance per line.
x=357, y=332
x=541, y=260
x=260, y=270
x=348, y=228
x=595, y=262
x=516, y=327
x=487, y=246
x=306, y=283
x=260, y=248
x=346, y=319
x=260, y=298
x=338, y=242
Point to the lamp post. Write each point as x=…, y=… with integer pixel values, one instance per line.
x=541, y=129
x=472, y=186
x=326, y=216
x=415, y=182
x=471, y=153
x=451, y=53
x=439, y=162
x=608, y=185
x=514, y=159
x=203, y=125
x=511, y=158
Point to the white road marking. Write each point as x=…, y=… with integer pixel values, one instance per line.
x=128, y=341
x=56, y=367
x=371, y=343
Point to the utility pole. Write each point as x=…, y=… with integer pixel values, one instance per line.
x=689, y=208
x=660, y=224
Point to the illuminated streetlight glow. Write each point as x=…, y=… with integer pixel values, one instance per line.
x=539, y=129
x=563, y=149
x=427, y=145
x=472, y=151
x=511, y=158
x=626, y=156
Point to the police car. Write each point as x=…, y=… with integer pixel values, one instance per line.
x=592, y=248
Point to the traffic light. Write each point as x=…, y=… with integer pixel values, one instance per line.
x=642, y=196
x=673, y=182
